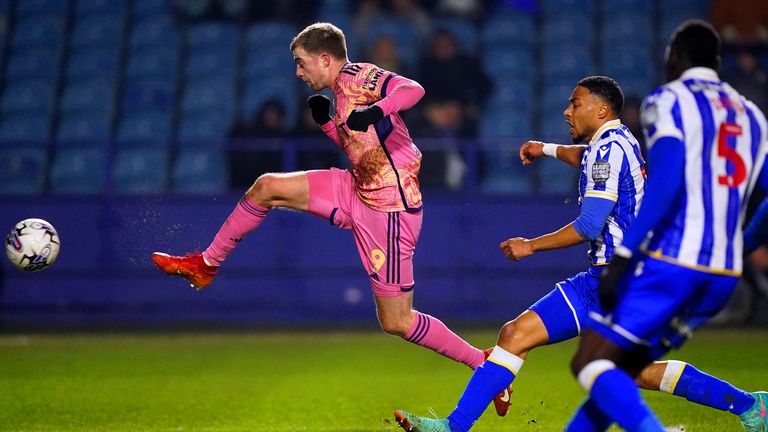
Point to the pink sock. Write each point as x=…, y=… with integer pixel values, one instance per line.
x=246, y=217
x=430, y=332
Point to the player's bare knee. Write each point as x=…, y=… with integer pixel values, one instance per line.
x=513, y=339
x=263, y=190
x=393, y=326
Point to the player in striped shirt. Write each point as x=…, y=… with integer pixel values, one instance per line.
x=378, y=199
x=611, y=187
x=681, y=259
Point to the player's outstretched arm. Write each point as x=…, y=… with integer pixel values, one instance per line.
x=401, y=94
x=756, y=232
x=518, y=247
x=532, y=150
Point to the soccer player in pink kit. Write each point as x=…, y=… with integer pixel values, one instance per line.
x=378, y=199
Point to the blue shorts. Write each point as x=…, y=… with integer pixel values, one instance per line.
x=661, y=305
x=565, y=309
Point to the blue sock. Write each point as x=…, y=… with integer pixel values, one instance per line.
x=704, y=389
x=617, y=396
x=588, y=418
x=488, y=380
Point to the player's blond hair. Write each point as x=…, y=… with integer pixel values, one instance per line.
x=321, y=38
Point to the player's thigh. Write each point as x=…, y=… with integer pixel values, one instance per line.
x=565, y=309
x=386, y=242
x=288, y=190
x=330, y=193
x=392, y=310
x=648, y=303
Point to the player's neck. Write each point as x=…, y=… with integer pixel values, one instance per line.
x=335, y=69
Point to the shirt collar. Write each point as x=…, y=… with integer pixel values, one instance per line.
x=610, y=124
x=699, y=72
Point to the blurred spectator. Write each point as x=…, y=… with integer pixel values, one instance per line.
x=749, y=79
x=444, y=120
x=269, y=121
x=449, y=74
x=318, y=151
x=383, y=53
x=413, y=13
x=741, y=20
x=250, y=158
x=463, y=8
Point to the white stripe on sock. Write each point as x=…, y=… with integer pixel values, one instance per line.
x=671, y=376
x=504, y=358
x=592, y=370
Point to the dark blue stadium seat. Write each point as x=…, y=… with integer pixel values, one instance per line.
x=154, y=31
x=502, y=172
x=508, y=29
x=38, y=7
x=200, y=171
x=31, y=63
x=145, y=127
x=212, y=34
x=203, y=128
x=39, y=31
x=77, y=128
x=214, y=94
x=78, y=170
x=512, y=93
x=568, y=29
x=22, y=171
x=140, y=171
x=91, y=95
x=92, y=63
x=270, y=34
x=212, y=62
x=143, y=8
x=28, y=128
x=557, y=178
x=268, y=63
x=98, y=31
x=149, y=95
x=155, y=63
x=567, y=61
x=566, y=7
x=510, y=123
x=509, y=63
x=100, y=7
x=29, y=95
x=627, y=27
x=553, y=125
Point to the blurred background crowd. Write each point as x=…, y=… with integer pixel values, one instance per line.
x=199, y=96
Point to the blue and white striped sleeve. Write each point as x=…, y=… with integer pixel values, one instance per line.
x=660, y=116
x=604, y=165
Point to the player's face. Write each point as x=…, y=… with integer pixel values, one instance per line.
x=581, y=114
x=311, y=68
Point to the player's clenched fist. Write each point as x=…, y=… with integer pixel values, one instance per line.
x=320, y=107
x=530, y=151
x=516, y=248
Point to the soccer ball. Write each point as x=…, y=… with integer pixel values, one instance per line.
x=32, y=245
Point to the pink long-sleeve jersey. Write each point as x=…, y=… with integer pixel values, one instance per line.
x=385, y=161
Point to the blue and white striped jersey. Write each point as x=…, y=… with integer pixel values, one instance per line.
x=612, y=168
x=725, y=147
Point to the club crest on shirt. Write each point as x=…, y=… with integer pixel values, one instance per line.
x=601, y=172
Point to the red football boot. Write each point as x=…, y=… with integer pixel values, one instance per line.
x=502, y=401
x=191, y=267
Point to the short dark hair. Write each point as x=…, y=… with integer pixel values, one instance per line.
x=322, y=37
x=698, y=42
x=607, y=88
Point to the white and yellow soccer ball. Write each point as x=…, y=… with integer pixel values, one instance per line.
x=32, y=245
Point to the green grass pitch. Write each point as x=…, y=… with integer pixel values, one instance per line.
x=314, y=381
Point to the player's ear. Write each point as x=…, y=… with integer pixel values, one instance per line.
x=325, y=60
x=604, y=111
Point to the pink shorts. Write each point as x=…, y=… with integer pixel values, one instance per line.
x=384, y=240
